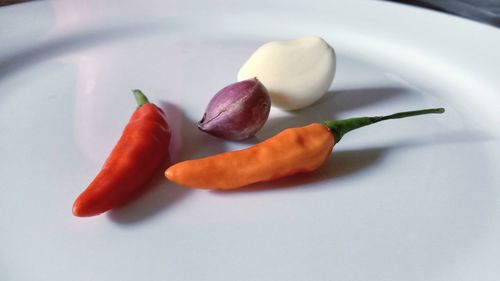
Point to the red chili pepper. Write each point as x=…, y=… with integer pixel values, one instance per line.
x=139, y=153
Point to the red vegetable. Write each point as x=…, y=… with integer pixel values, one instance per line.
x=139, y=153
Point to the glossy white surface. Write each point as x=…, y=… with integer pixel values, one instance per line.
x=415, y=199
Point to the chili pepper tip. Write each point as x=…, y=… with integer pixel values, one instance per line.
x=140, y=98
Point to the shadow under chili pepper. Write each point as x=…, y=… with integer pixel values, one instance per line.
x=328, y=107
x=350, y=99
x=188, y=142
x=160, y=195
x=340, y=164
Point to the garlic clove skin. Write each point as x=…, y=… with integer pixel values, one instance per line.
x=296, y=73
x=237, y=111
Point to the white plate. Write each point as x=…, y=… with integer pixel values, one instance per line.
x=413, y=199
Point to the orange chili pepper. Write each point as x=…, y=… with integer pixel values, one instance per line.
x=292, y=151
x=139, y=153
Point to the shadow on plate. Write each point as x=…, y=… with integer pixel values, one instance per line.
x=188, y=142
x=156, y=199
x=340, y=164
x=329, y=107
x=343, y=163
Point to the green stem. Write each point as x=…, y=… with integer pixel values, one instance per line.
x=340, y=127
x=140, y=98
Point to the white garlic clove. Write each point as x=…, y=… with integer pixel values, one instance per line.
x=296, y=73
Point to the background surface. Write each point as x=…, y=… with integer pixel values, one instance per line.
x=487, y=11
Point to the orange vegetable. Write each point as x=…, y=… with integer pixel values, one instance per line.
x=290, y=152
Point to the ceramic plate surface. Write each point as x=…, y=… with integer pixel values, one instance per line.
x=413, y=199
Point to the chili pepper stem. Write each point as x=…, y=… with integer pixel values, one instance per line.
x=140, y=98
x=340, y=127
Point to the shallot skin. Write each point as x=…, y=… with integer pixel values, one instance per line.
x=238, y=111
